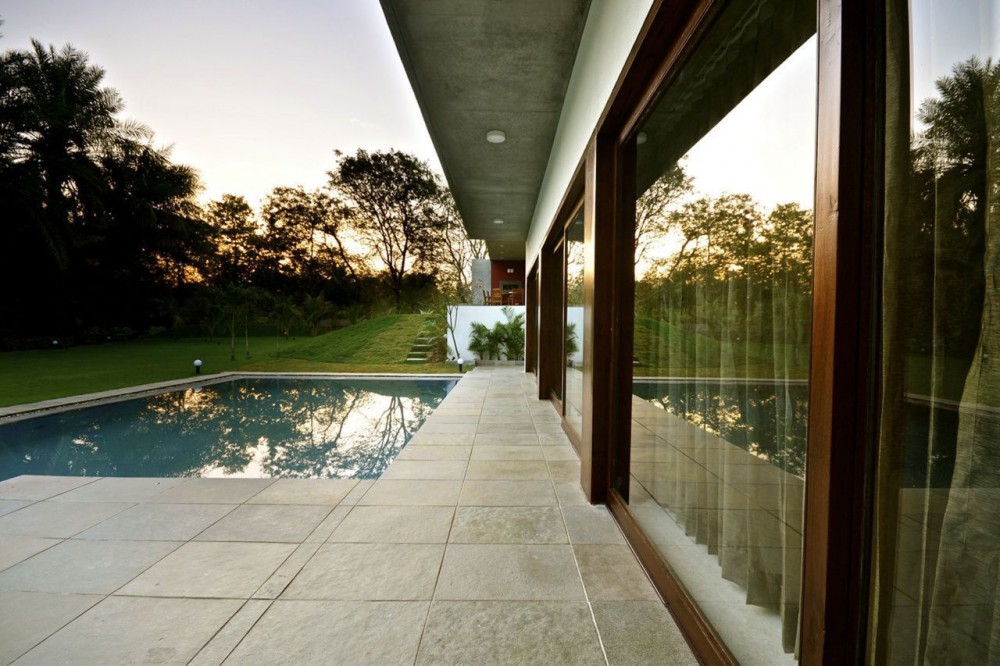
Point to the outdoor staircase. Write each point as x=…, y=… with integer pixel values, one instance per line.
x=423, y=344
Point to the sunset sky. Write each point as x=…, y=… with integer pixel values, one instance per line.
x=253, y=94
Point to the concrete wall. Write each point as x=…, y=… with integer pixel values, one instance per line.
x=484, y=314
x=611, y=30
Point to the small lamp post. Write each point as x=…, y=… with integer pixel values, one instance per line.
x=460, y=362
x=197, y=366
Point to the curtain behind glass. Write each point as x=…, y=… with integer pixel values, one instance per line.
x=723, y=266
x=574, y=324
x=936, y=566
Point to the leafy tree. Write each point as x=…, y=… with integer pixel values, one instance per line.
x=235, y=227
x=457, y=250
x=391, y=200
x=653, y=222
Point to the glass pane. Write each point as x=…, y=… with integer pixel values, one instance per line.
x=723, y=270
x=574, y=324
x=936, y=597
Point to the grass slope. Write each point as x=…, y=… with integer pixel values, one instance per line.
x=376, y=345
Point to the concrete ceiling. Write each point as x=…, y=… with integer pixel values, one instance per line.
x=479, y=65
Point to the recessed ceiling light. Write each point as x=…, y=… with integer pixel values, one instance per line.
x=496, y=136
x=640, y=138
x=498, y=221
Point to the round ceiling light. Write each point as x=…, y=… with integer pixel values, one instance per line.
x=496, y=136
x=498, y=221
x=641, y=138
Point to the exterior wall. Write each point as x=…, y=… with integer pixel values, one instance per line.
x=484, y=314
x=480, y=279
x=611, y=30
x=499, y=272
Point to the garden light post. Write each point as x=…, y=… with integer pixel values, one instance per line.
x=460, y=362
x=197, y=366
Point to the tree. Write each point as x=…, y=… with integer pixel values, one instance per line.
x=391, y=202
x=235, y=227
x=653, y=222
x=457, y=250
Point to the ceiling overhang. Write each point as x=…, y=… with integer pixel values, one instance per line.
x=481, y=65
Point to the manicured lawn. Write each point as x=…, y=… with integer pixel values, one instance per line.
x=376, y=345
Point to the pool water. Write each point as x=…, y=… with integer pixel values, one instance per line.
x=288, y=428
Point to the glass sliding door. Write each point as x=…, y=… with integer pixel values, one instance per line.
x=724, y=165
x=936, y=566
x=573, y=324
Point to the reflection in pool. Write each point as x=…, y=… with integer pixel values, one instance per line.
x=290, y=428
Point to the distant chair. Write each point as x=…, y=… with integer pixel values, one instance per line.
x=517, y=297
x=497, y=297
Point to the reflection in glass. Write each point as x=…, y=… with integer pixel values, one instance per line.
x=243, y=428
x=936, y=574
x=574, y=324
x=723, y=273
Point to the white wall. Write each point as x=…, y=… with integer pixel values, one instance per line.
x=611, y=30
x=484, y=314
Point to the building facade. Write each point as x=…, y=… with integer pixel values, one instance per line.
x=762, y=290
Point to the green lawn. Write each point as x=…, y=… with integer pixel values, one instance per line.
x=376, y=345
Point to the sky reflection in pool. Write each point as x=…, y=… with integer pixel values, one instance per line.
x=288, y=428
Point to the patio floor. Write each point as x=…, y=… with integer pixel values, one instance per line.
x=476, y=546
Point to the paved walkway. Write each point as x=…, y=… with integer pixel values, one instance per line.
x=476, y=546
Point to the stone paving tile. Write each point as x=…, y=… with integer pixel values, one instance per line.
x=611, y=573
x=484, y=452
x=344, y=632
x=507, y=439
x=58, y=520
x=516, y=525
x=640, y=632
x=508, y=493
x=289, y=569
x=118, y=490
x=279, y=523
x=158, y=522
x=426, y=469
x=40, y=487
x=14, y=549
x=395, y=524
x=509, y=632
x=85, y=567
x=407, y=492
x=422, y=438
x=560, y=453
x=211, y=569
x=9, y=506
x=223, y=643
x=357, y=492
x=508, y=470
x=591, y=524
x=326, y=528
x=508, y=428
x=122, y=630
x=328, y=492
x=212, y=491
x=39, y=614
x=564, y=470
x=418, y=452
x=447, y=428
x=495, y=572
x=369, y=571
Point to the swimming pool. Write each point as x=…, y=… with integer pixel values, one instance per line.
x=247, y=427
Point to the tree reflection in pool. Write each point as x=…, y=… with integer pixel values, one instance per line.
x=288, y=428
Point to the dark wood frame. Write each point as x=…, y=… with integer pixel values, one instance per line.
x=844, y=359
x=531, y=321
